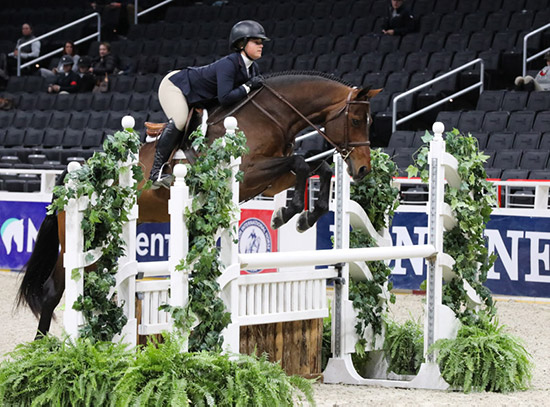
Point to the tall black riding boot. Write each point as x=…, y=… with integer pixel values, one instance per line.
x=169, y=139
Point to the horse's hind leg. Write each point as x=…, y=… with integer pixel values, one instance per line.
x=52, y=292
x=308, y=218
x=282, y=215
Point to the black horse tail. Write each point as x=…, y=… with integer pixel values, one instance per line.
x=41, y=263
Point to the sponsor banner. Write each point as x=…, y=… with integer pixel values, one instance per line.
x=256, y=235
x=19, y=223
x=521, y=243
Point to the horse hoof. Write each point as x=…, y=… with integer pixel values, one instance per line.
x=301, y=224
x=165, y=182
x=277, y=219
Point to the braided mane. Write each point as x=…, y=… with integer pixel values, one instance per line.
x=318, y=74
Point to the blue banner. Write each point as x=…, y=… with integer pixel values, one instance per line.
x=19, y=223
x=522, y=245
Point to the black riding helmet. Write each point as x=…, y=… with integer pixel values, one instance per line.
x=244, y=30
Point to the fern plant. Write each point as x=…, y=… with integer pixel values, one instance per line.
x=58, y=372
x=162, y=375
x=484, y=358
x=404, y=346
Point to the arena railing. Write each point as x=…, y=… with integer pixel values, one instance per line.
x=538, y=54
x=58, y=50
x=478, y=84
x=148, y=10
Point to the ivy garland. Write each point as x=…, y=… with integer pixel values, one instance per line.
x=209, y=181
x=379, y=198
x=104, y=217
x=472, y=204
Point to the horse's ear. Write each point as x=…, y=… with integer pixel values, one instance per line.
x=373, y=92
x=367, y=93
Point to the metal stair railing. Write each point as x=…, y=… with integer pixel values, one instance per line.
x=478, y=84
x=58, y=50
x=143, y=12
x=526, y=59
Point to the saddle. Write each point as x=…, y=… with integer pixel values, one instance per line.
x=194, y=120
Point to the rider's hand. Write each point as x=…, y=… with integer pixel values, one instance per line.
x=255, y=82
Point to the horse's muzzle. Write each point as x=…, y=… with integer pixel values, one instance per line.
x=361, y=173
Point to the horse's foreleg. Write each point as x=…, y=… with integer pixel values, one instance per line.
x=282, y=215
x=52, y=292
x=308, y=218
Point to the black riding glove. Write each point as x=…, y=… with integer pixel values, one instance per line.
x=255, y=82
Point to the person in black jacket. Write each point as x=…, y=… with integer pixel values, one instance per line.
x=105, y=63
x=87, y=79
x=400, y=20
x=66, y=81
x=225, y=81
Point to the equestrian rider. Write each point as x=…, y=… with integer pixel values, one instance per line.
x=225, y=81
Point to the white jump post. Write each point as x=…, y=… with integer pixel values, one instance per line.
x=73, y=260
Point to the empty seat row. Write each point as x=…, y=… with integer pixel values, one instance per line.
x=513, y=100
x=502, y=159
x=83, y=102
x=491, y=141
x=136, y=83
x=478, y=120
x=27, y=121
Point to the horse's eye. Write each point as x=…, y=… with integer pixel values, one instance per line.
x=355, y=122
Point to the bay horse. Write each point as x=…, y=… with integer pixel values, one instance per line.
x=270, y=118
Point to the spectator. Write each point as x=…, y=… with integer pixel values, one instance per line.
x=105, y=63
x=68, y=49
x=225, y=81
x=66, y=81
x=400, y=20
x=540, y=82
x=87, y=79
x=9, y=63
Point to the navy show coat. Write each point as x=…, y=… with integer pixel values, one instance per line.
x=219, y=80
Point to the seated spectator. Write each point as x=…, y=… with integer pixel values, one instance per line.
x=540, y=82
x=68, y=49
x=66, y=81
x=9, y=63
x=105, y=63
x=400, y=20
x=87, y=79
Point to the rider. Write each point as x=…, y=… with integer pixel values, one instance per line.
x=225, y=81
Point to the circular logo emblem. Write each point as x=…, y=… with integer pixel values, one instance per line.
x=254, y=237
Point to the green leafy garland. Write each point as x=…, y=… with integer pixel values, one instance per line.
x=472, y=204
x=209, y=181
x=104, y=217
x=378, y=197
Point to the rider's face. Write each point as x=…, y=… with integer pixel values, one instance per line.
x=254, y=48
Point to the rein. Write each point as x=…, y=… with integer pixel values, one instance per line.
x=343, y=149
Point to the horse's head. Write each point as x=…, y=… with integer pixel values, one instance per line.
x=348, y=127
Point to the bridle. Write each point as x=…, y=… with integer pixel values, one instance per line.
x=344, y=149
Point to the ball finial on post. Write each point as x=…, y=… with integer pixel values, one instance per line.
x=128, y=122
x=73, y=166
x=230, y=124
x=438, y=129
